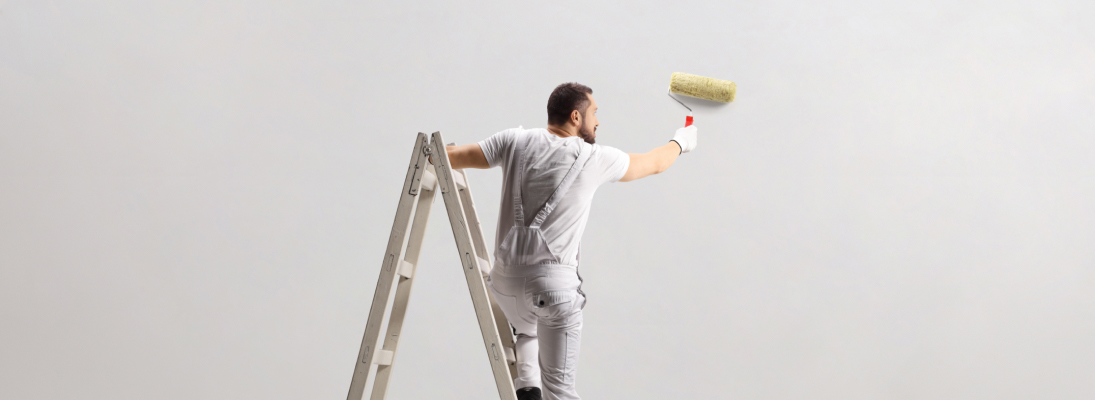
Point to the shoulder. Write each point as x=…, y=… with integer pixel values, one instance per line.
x=608, y=156
x=610, y=161
x=539, y=133
x=534, y=134
x=497, y=147
x=502, y=140
x=512, y=132
x=603, y=151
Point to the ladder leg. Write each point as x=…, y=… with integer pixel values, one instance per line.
x=470, y=261
x=505, y=332
x=406, y=279
x=393, y=258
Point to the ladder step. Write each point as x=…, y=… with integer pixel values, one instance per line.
x=429, y=180
x=511, y=358
x=406, y=269
x=484, y=267
x=458, y=176
x=383, y=357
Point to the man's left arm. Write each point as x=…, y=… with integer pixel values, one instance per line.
x=467, y=156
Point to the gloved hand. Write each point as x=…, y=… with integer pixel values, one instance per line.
x=686, y=138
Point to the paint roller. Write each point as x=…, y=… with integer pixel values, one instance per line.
x=700, y=87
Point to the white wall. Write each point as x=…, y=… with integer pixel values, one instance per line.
x=195, y=197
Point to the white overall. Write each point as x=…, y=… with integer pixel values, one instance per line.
x=540, y=295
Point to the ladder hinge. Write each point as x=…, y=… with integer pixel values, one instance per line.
x=419, y=169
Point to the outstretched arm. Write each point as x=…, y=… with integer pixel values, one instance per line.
x=658, y=160
x=467, y=156
x=653, y=162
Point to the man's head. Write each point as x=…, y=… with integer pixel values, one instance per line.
x=571, y=108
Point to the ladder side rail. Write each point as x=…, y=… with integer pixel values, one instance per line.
x=470, y=262
x=388, y=271
x=406, y=274
x=505, y=331
x=473, y=218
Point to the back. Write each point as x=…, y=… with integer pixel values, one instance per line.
x=548, y=157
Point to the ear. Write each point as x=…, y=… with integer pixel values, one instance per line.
x=576, y=118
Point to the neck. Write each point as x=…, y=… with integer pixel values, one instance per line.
x=563, y=131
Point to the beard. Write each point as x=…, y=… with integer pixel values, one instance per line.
x=588, y=134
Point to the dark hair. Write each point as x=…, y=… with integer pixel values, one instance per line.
x=565, y=99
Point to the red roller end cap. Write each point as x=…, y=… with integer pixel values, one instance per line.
x=688, y=121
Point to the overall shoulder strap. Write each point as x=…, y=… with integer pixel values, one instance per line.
x=561, y=191
x=520, y=143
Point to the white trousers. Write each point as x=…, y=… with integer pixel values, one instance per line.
x=545, y=310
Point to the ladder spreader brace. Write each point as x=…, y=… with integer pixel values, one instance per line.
x=400, y=264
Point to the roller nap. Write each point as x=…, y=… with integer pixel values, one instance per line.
x=702, y=87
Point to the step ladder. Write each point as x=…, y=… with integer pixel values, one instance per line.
x=401, y=262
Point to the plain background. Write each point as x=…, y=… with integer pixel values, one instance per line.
x=195, y=197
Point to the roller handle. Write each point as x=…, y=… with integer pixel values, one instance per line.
x=688, y=121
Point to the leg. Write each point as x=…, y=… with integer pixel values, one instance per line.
x=560, y=342
x=528, y=363
x=508, y=293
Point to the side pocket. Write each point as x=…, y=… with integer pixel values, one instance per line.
x=574, y=344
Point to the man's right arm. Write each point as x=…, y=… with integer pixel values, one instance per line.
x=467, y=156
x=479, y=155
x=658, y=160
x=653, y=162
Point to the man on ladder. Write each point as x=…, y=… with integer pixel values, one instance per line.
x=549, y=177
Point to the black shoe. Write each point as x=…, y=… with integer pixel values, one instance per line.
x=529, y=393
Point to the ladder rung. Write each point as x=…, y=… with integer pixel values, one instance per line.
x=406, y=269
x=484, y=267
x=510, y=357
x=458, y=176
x=429, y=180
x=383, y=357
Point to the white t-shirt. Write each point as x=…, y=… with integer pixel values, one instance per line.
x=549, y=158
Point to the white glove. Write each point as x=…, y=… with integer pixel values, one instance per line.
x=686, y=138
